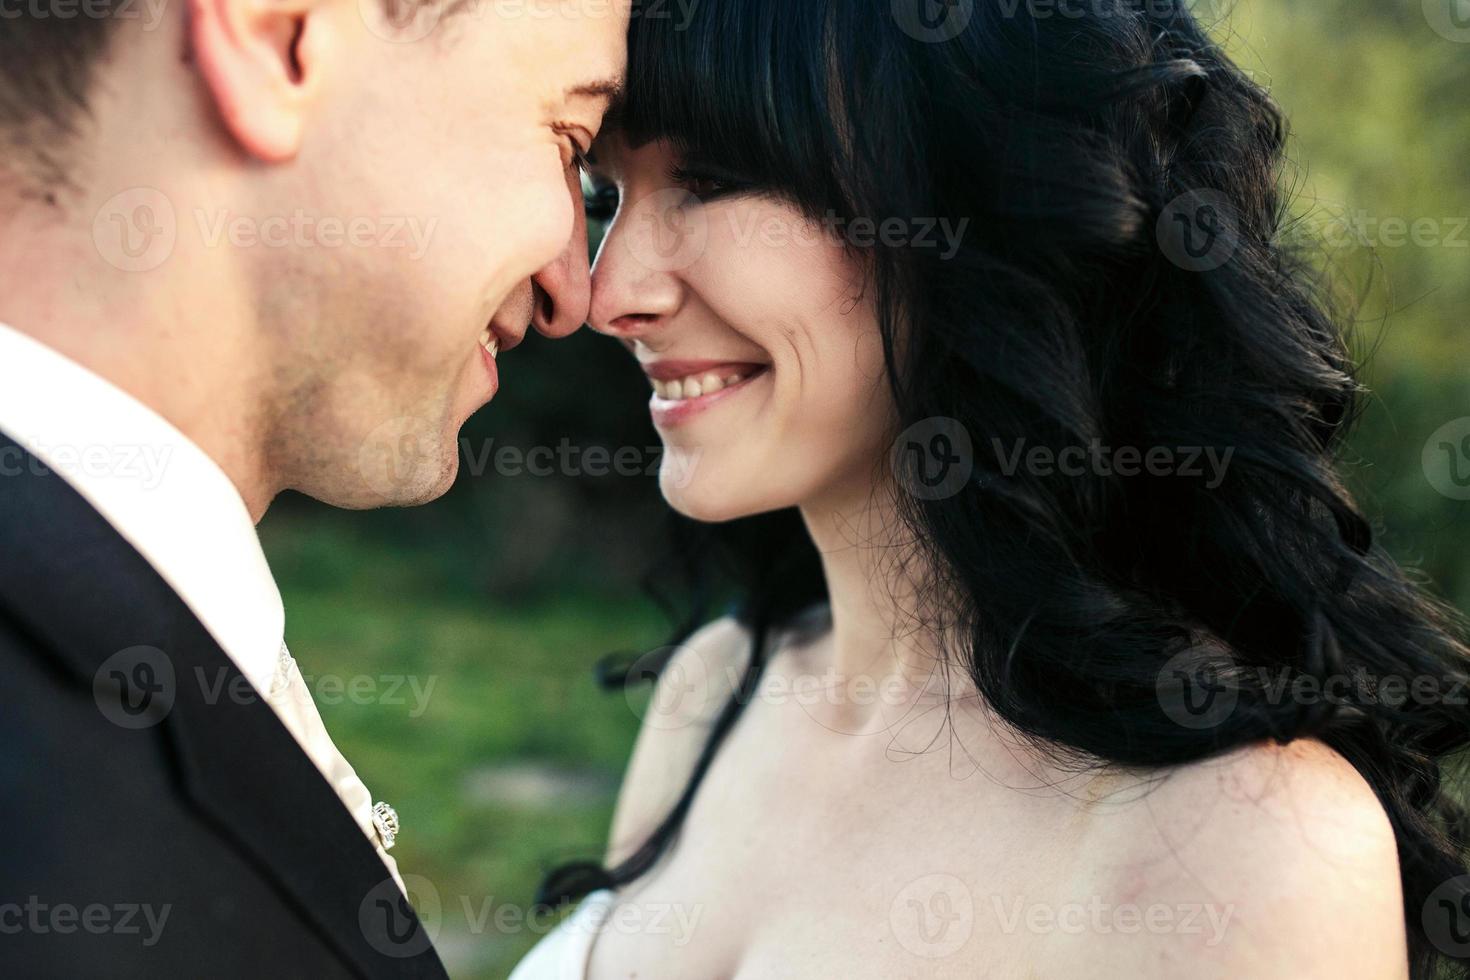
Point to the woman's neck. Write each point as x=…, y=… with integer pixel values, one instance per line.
x=898, y=651
x=879, y=584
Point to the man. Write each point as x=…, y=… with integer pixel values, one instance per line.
x=244, y=247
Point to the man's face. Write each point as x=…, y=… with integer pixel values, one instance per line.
x=456, y=152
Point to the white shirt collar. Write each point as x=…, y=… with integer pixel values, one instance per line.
x=157, y=488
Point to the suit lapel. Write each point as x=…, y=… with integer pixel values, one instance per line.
x=77, y=585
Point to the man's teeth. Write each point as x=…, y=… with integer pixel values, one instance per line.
x=490, y=342
x=697, y=384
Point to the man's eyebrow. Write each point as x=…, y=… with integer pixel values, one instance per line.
x=604, y=88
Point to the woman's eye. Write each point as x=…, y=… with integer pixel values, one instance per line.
x=704, y=185
x=705, y=188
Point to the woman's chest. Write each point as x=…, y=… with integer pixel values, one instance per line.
x=799, y=868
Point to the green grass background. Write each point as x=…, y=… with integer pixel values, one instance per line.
x=511, y=764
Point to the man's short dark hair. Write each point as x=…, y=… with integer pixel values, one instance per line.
x=49, y=52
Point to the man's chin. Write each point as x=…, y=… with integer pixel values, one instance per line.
x=421, y=482
x=402, y=463
x=369, y=494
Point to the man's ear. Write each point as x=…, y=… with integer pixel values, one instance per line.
x=261, y=60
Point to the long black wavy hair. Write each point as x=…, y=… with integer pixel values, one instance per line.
x=1093, y=147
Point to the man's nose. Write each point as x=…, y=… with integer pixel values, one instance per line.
x=563, y=289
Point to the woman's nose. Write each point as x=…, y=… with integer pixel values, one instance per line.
x=635, y=286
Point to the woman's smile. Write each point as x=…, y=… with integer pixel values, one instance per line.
x=683, y=389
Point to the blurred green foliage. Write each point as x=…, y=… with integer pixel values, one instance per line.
x=475, y=717
x=1381, y=143
x=504, y=593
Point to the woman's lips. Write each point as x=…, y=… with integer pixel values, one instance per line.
x=682, y=389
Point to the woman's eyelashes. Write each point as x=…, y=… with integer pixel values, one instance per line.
x=706, y=183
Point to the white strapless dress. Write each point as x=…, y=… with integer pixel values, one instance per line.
x=564, y=953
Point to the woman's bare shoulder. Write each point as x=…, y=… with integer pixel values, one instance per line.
x=698, y=680
x=1288, y=850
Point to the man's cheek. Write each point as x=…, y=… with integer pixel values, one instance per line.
x=531, y=232
x=551, y=217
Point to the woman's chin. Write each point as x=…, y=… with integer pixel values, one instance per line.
x=712, y=501
x=708, y=508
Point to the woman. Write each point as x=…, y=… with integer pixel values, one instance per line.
x=1079, y=660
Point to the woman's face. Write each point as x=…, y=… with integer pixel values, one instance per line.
x=752, y=325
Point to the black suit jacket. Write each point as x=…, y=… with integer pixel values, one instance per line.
x=153, y=821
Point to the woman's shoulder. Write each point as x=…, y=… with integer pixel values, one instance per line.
x=694, y=685
x=1288, y=847
x=1273, y=787
x=1263, y=804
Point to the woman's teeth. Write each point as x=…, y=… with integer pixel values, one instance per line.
x=697, y=384
x=490, y=342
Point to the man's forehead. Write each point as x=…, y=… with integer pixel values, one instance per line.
x=595, y=34
x=612, y=15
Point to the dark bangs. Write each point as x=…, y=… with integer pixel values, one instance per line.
x=748, y=87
